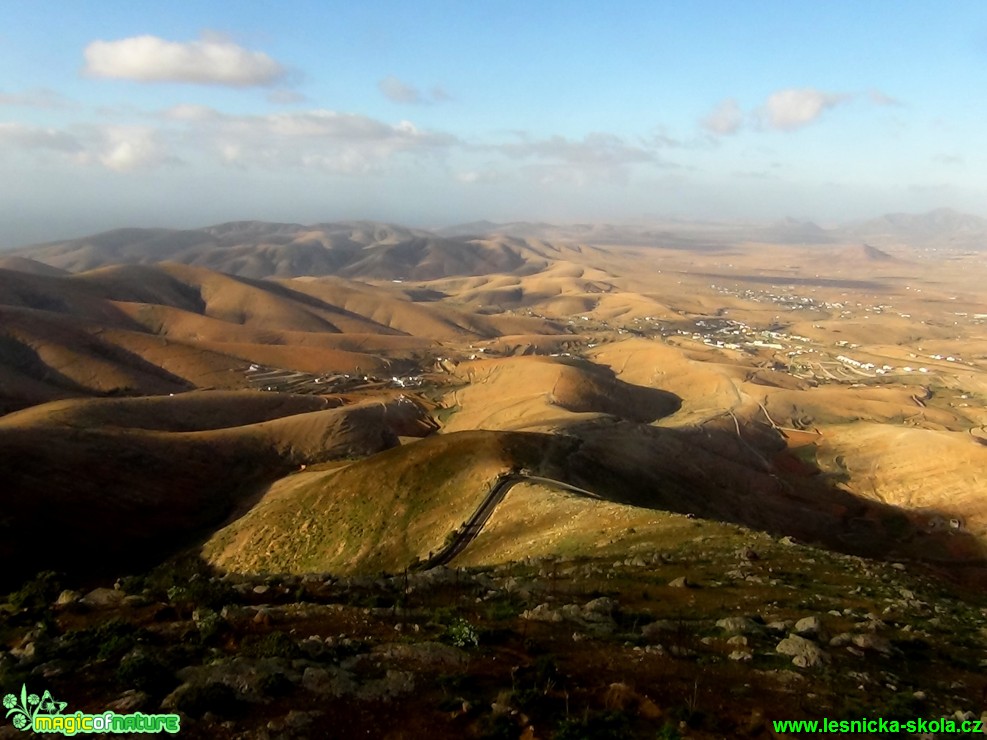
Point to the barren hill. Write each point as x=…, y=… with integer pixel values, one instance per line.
x=151, y=329
x=257, y=249
x=135, y=478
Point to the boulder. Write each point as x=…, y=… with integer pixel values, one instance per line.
x=805, y=653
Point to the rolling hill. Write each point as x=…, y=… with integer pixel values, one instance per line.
x=132, y=480
x=255, y=249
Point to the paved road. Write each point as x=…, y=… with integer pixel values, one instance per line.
x=475, y=524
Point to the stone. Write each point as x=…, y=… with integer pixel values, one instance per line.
x=680, y=582
x=393, y=684
x=804, y=653
x=67, y=597
x=870, y=641
x=542, y=613
x=103, y=598
x=326, y=682
x=654, y=630
x=808, y=626
x=737, y=625
x=602, y=605
x=432, y=654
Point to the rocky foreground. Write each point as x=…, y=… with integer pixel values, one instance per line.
x=714, y=638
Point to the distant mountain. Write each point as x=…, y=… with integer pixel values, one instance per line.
x=942, y=225
x=795, y=231
x=33, y=267
x=257, y=249
x=139, y=330
x=875, y=254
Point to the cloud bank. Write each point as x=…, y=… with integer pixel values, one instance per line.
x=207, y=61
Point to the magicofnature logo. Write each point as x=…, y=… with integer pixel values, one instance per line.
x=43, y=714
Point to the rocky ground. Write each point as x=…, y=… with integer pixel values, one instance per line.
x=713, y=638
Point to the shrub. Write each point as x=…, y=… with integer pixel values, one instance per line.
x=38, y=593
x=274, y=644
x=145, y=672
x=109, y=640
x=462, y=634
x=197, y=699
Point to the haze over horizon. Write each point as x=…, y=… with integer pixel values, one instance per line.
x=446, y=113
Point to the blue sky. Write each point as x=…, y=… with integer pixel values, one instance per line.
x=430, y=113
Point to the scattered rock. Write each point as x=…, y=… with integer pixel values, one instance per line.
x=393, y=684
x=67, y=597
x=602, y=606
x=541, y=613
x=328, y=682
x=432, y=654
x=737, y=625
x=680, y=582
x=870, y=641
x=808, y=626
x=654, y=630
x=805, y=653
x=25, y=652
x=841, y=640
x=103, y=598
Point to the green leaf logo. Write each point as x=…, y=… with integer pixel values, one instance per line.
x=28, y=706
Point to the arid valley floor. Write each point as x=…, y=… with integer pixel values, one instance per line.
x=510, y=480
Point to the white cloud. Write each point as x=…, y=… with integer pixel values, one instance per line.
x=117, y=148
x=397, y=91
x=725, y=119
x=130, y=148
x=791, y=109
x=21, y=136
x=596, y=157
x=326, y=140
x=209, y=60
x=595, y=149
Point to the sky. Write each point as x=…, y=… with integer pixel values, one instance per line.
x=185, y=114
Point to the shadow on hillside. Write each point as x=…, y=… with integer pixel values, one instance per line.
x=711, y=473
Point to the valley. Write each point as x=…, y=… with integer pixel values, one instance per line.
x=359, y=403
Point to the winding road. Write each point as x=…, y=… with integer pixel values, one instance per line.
x=474, y=525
